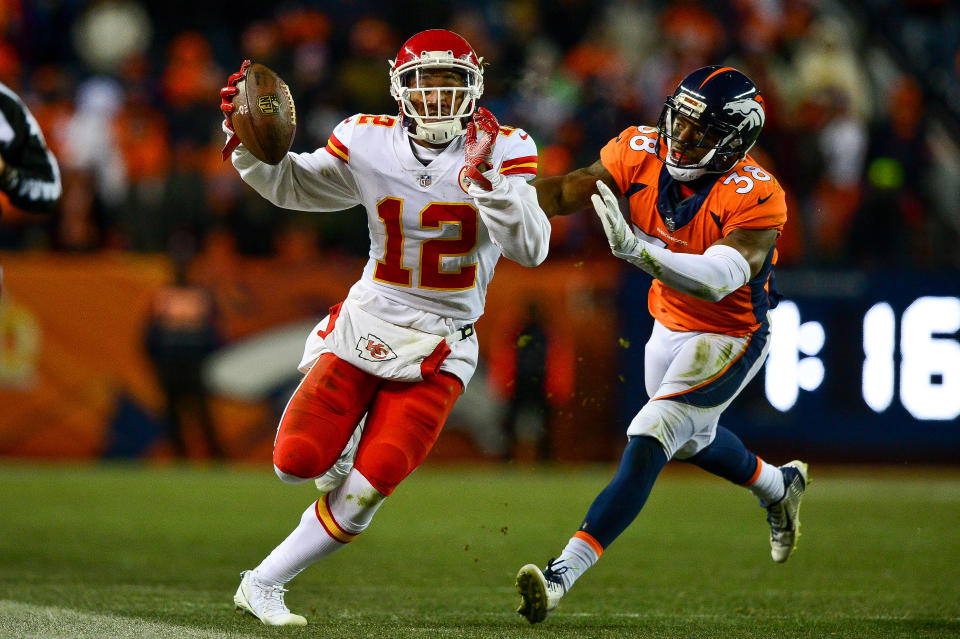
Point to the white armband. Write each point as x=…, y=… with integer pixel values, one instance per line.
x=712, y=276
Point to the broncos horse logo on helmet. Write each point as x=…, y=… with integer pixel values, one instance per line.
x=750, y=109
x=727, y=110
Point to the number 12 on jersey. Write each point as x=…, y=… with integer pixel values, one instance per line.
x=433, y=216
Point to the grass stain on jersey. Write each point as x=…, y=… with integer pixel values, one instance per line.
x=701, y=358
x=726, y=354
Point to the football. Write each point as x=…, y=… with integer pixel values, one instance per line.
x=264, y=116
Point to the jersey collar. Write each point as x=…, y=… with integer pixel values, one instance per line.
x=674, y=211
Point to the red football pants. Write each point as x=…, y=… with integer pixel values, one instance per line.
x=404, y=420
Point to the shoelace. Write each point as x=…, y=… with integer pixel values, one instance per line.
x=777, y=518
x=551, y=571
x=777, y=514
x=271, y=595
x=552, y=574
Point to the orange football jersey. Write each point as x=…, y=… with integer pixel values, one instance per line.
x=745, y=197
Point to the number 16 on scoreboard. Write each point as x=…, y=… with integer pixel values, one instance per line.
x=929, y=369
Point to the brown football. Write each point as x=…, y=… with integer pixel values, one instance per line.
x=263, y=114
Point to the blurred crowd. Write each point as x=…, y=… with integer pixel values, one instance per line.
x=126, y=93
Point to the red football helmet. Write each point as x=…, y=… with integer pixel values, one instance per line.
x=436, y=49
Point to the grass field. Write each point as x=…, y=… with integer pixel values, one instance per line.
x=117, y=551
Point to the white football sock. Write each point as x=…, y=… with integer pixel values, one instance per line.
x=325, y=527
x=575, y=559
x=355, y=502
x=768, y=487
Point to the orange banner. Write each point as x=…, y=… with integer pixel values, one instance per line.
x=76, y=380
x=70, y=336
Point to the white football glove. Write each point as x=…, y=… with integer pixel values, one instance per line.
x=621, y=238
x=711, y=276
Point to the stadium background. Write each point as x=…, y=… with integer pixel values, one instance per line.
x=862, y=130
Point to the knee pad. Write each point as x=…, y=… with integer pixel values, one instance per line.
x=680, y=428
x=385, y=465
x=300, y=458
x=402, y=426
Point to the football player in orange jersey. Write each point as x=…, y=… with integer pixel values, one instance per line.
x=705, y=221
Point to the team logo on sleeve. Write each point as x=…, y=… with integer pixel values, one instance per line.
x=462, y=179
x=374, y=349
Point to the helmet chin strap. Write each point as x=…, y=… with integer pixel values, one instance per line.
x=436, y=132
x=685, y=175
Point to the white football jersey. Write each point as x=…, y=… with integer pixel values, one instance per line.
x=434, y=238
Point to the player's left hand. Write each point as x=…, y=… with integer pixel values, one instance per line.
x=482, y=133
x=622, y=240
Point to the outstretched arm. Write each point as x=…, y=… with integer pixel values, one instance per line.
x=318, y=181
x=723, y=268
x=566, y=194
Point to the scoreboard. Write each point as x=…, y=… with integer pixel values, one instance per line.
x=911, y=358
x=861, y=367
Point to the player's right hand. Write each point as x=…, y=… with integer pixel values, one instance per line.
x=227, y=94
x=622, y=240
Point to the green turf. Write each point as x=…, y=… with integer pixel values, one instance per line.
x=103, y=552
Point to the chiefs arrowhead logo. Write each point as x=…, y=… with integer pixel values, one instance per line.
x=463, y=181
x=374, y=349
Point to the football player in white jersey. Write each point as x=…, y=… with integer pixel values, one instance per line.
x=446, y=193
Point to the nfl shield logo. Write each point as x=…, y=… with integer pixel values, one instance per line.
x=424, y=180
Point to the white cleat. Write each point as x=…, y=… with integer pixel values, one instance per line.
x=784, y=516
x=334, y=478
x=265, y=602
x=539, y=593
